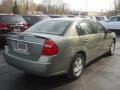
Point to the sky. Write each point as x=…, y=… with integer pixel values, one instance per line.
x=89, y=5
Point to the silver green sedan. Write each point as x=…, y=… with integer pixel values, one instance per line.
x=59, y=46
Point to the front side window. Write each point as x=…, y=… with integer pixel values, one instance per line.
x=50, y=27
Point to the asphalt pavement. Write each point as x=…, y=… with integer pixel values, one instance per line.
x=102, y=74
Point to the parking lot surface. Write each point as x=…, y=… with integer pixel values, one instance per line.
x=102, y=74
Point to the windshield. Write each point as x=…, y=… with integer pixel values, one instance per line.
x=50, y=27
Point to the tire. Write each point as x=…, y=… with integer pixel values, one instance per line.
x=76, y=67
x=29, y=75
x=112, y=49
x=2, y=42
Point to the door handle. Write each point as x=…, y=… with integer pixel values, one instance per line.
x=99, y=37
x=86, y=40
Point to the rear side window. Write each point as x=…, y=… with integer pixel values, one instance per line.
x=84, y=28
x=50, y=27
x=87, y=28
x=11, y=18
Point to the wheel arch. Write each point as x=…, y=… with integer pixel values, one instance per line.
x=71, y=76
x=84, y=54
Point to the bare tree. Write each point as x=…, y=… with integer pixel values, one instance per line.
x=52, y=7
x=26, y=6
x=6, y=6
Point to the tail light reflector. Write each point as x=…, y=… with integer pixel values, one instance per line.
x=3, y=26
x=50, y=48
x=25, y=25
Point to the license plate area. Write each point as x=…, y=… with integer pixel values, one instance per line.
x=16, y=29
x=22, y=47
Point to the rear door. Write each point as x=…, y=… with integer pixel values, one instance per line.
x=88, y=39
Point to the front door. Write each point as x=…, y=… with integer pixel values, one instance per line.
x=103, y=38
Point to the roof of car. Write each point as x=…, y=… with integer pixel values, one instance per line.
x=8, y=14
x=115, y=16
x=4, y=14
x=68, y=19
x=35, y=15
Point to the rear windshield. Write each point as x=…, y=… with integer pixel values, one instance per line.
x=100, y=18
x=50, y=27
x=11, y=18
x=31, y=19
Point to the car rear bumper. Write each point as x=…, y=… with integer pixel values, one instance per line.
x=33, y=67
x=28, y=66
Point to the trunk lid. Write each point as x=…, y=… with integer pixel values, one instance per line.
x=26, y=45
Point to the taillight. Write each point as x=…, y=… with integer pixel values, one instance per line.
x=50, y=48
x=25, y=25
x=3, y=26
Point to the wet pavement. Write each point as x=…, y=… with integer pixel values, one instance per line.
x=102, y=74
